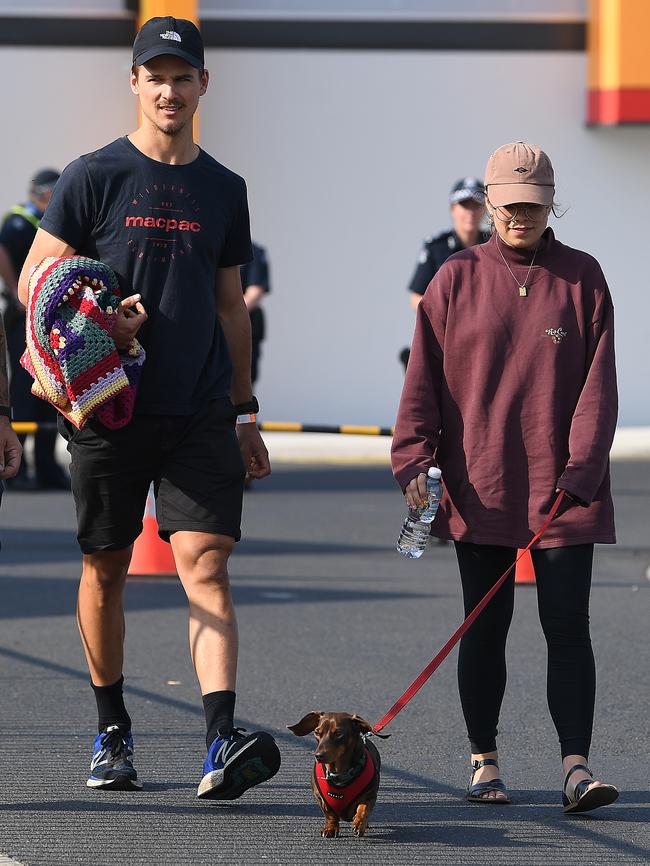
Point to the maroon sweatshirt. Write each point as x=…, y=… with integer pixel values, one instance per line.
x=513, y=397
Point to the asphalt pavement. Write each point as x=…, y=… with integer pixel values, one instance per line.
x=330, y=618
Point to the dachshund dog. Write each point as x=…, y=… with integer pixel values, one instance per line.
x=345, y=778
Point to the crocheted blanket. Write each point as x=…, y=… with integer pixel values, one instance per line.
x=70, y=352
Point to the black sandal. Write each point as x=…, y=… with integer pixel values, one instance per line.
x=474, y=791
x=583, y=800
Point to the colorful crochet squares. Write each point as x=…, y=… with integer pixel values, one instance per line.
x=70, y=352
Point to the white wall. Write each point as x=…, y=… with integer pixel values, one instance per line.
x=349, y=157
x=59, y=103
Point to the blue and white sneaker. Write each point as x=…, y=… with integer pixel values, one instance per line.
x=111, y=767
x=236, y=762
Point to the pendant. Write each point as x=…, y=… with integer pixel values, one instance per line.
x=523, y=292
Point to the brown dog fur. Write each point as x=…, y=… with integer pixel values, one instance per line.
x=339, y=745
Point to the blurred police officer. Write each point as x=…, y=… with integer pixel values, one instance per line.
x=467, y=206
x=19, y=227
x=255, y=283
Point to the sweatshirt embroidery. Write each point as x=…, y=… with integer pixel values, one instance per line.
x=556, y=334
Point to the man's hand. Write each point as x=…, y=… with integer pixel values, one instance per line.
x=416, y=492
x=11, y=451
x=253, y=451
x=128, y=321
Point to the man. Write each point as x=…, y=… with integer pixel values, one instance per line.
x=255, y=284
x=10, y=447
x=16, y=235
x=173, y=224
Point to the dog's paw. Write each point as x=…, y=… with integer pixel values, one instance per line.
x=330, y=831
x=360, y=821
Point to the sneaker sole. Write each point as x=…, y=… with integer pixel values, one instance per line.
x=119, y=783
x=257, y=765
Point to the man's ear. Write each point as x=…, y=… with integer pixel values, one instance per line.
x=205, y=78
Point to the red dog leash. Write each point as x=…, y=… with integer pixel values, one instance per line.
x=435, y=662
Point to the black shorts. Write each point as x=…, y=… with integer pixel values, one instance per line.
x=193, y=462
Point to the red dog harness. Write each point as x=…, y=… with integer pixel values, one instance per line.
x=341, y=798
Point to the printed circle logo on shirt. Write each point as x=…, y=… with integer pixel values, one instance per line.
x=162, y=223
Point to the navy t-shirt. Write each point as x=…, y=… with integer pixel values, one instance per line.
x=164, y=229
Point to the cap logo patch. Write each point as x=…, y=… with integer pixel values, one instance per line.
x=171, y=34
x=521, y=169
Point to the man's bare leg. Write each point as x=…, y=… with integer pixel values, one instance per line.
x=202, y=563
x=234, y=762
x=100, y=613
x=100, y=616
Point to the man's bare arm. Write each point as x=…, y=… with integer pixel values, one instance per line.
x=236, y=325
x=4, y=379
x=10, y=448
x=44, y=245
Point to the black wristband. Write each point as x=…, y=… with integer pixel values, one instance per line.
x=250, y=407
x=6, y=411
x=576, y=499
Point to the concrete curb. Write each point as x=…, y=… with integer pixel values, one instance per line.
x=630, y=443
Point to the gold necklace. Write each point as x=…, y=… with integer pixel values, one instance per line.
x=523, y=288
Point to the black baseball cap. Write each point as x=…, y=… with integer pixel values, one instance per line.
x=168, y=35
x=467, y=188
x=44, y=180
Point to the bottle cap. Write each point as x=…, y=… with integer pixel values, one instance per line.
x=434, y=472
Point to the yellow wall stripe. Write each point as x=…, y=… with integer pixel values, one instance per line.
x=188, y=9
x=619, y=69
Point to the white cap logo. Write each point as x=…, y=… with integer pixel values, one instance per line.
x=171, y=34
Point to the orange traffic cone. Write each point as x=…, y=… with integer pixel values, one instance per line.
x=151, y=555
x=524, y=571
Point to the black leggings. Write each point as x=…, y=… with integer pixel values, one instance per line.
x=563, y=584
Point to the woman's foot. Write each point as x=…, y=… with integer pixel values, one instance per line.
x=485, y=784
x=581, y=792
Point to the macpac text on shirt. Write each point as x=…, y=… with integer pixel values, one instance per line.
x=165, y=223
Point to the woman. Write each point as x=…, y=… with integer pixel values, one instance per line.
x=511, y=390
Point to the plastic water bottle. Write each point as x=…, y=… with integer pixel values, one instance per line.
x=414, y=536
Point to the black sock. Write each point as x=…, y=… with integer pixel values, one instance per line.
x=219, y=710
x=110, y=706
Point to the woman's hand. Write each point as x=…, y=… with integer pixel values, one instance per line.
x=416, y=493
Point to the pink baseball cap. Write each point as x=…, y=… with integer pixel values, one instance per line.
x=519, y=172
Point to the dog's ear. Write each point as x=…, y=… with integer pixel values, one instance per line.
x=362, y=725
x=307, y=724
